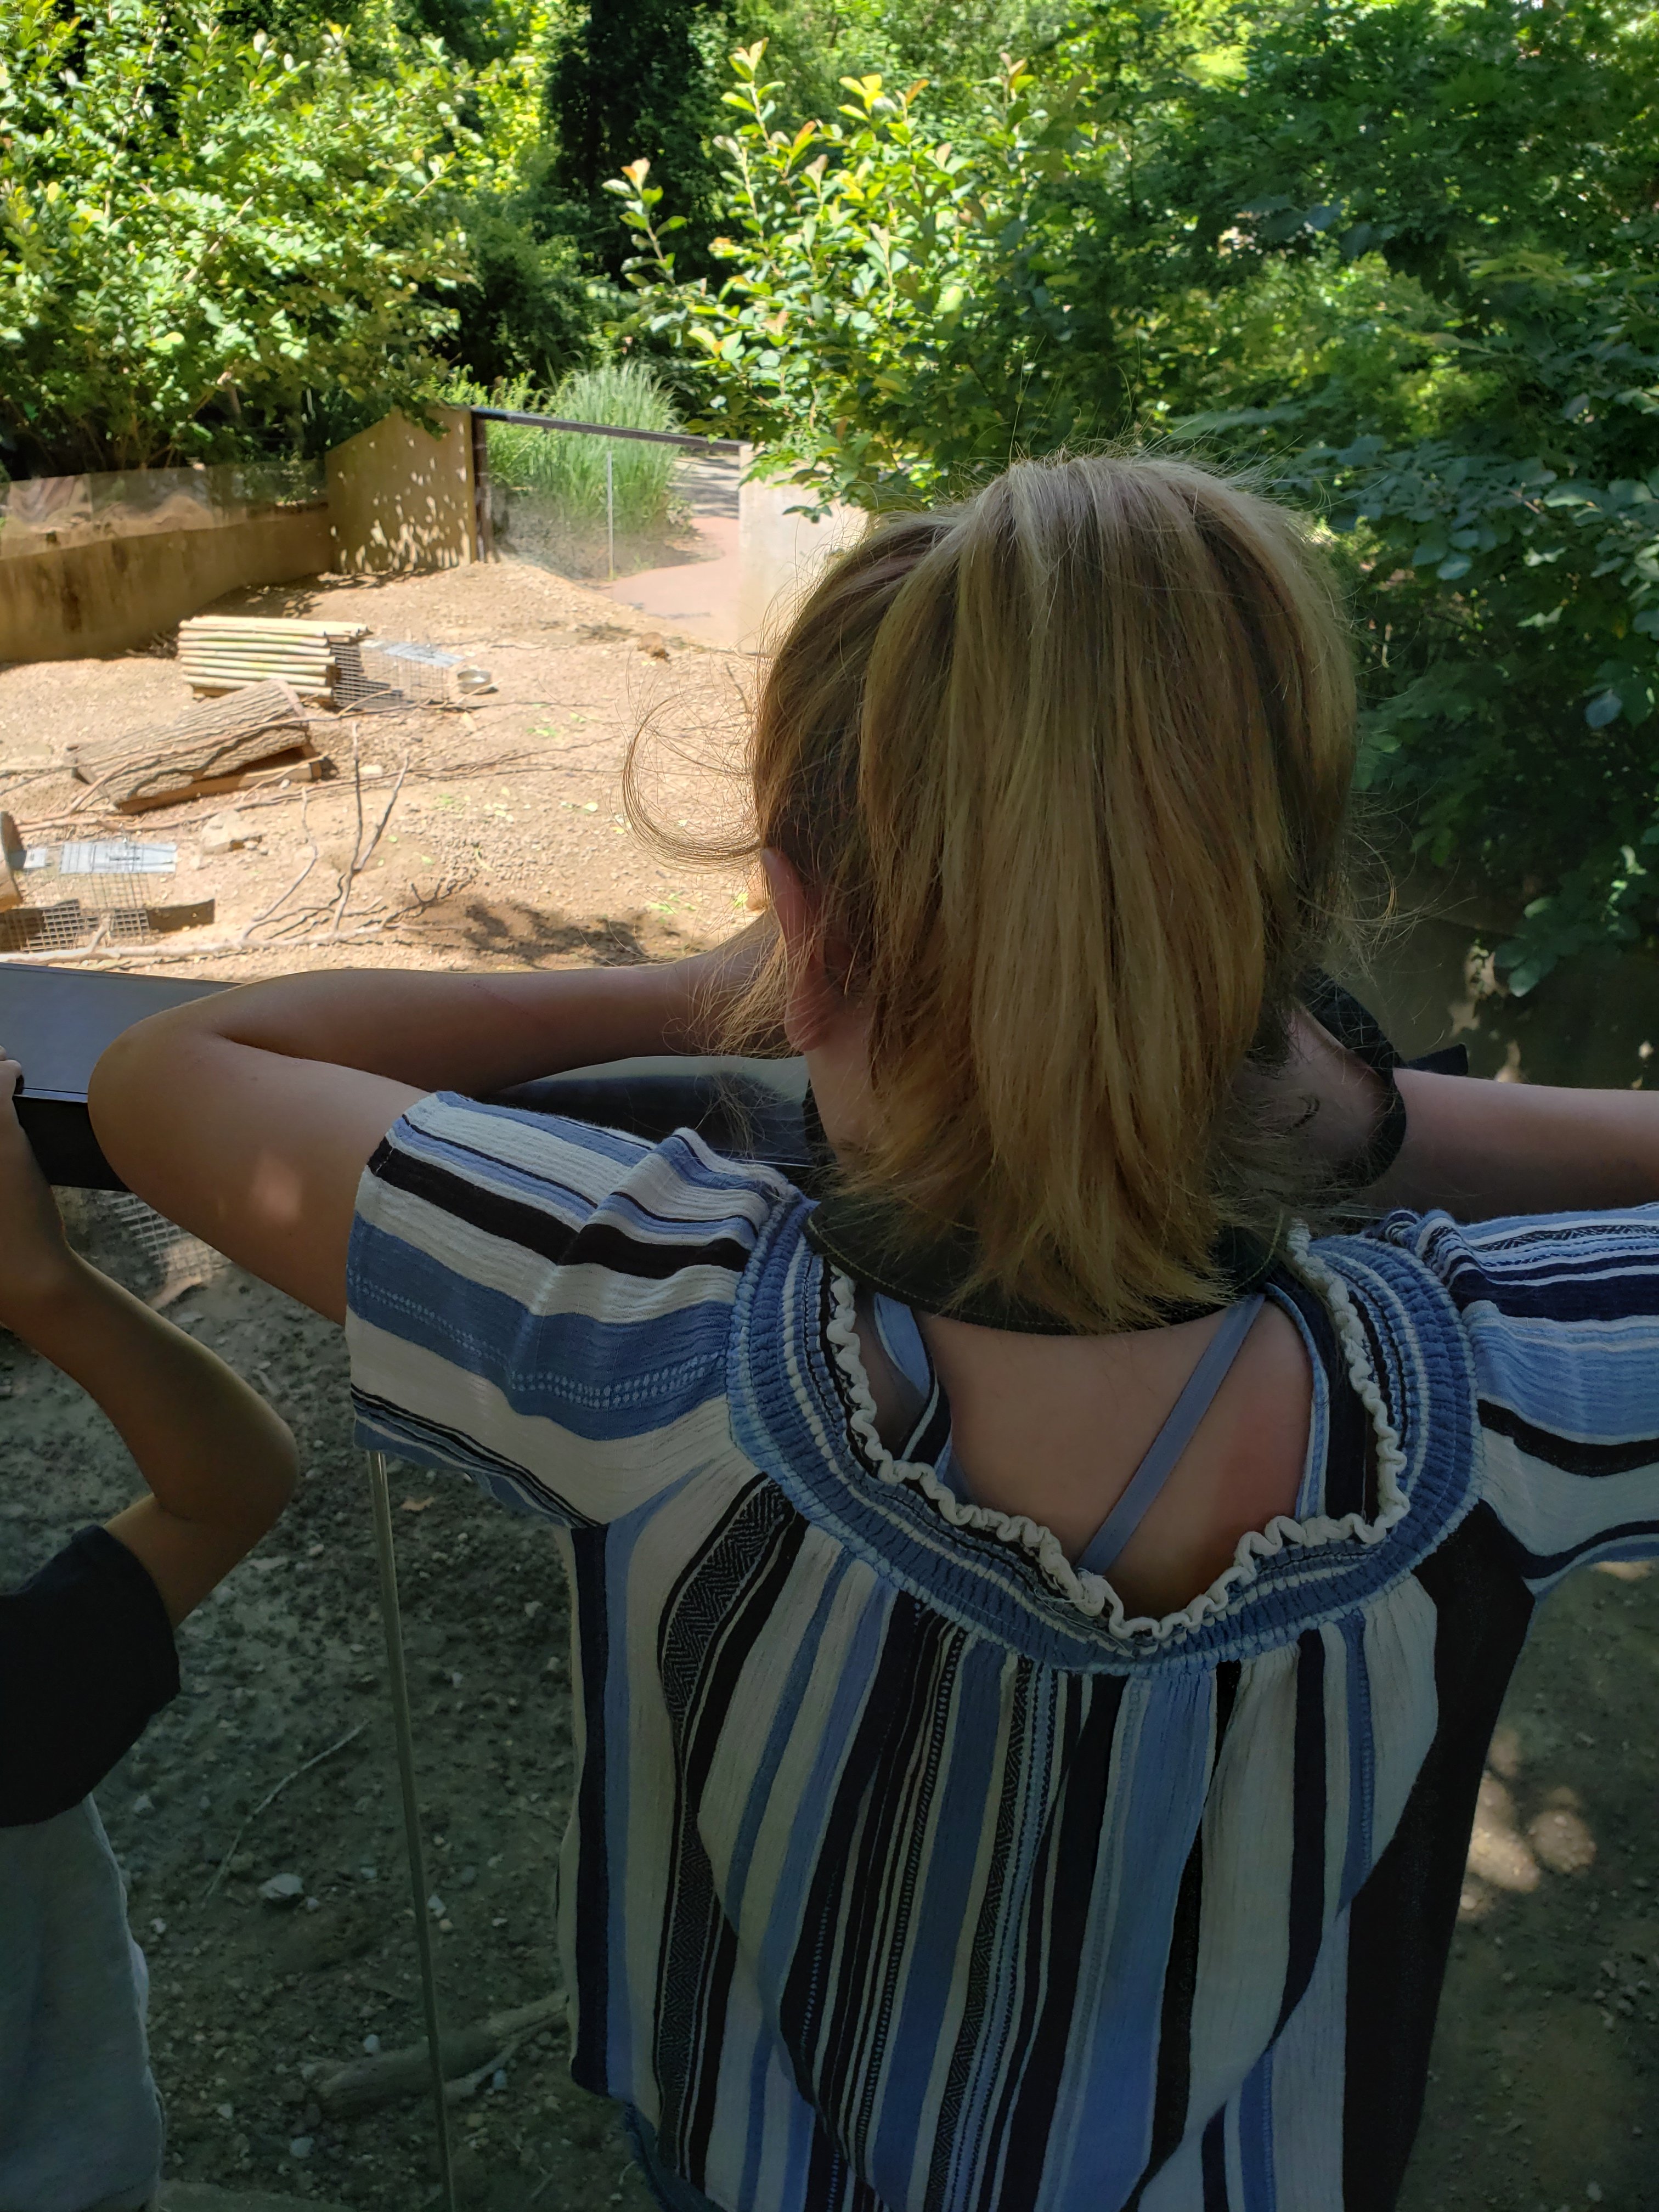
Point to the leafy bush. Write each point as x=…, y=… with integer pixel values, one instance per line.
x=1399, y=256
x=198, y=232
x=526, y=310
x=862, y=334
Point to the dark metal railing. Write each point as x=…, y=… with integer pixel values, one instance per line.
x=685, y=438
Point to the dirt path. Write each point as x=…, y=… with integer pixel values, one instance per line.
x=504, y=849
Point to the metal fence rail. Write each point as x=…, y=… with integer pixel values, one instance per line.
x=686, y=438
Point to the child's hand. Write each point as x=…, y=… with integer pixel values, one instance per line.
x=35, y=1262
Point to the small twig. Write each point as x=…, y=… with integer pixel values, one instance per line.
x=360, y=853
x=271, y=1795
x=304, y=828
x=380, y=827
x=350, y=877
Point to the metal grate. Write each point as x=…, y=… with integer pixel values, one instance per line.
x=77, y=895
x=140, y=1249
x=388, y=676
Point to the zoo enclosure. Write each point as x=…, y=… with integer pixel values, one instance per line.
x=542, y=505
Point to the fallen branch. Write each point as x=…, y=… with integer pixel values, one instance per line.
x=361, y=854
x=470, y=2055
x=148, y=954
x=270, y=1797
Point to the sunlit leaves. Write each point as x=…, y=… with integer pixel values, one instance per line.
x=186, y=215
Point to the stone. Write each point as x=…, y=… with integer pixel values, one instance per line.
x=225, y=833
x=282, y=1889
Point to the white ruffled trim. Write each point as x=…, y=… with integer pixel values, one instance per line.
x=1091, y=1594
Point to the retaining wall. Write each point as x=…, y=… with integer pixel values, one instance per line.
x=114, y=594
x=92, y=565
x=400, y=499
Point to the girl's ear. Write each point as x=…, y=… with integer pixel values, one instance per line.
x=815, y=1004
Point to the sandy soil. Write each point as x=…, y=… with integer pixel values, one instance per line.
x=505, y=842
x=1545, y=2091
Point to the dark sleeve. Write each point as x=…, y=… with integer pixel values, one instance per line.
x=87, y=1658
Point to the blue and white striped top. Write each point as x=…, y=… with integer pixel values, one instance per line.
x=906, y=1872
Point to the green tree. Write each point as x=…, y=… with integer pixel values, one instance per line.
x=632, y=78
x=199, y=234
x=878, y=274
x=1400, y=257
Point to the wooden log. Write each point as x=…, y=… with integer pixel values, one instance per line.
x=273, y=626
x=11, y=859
x=153, y=768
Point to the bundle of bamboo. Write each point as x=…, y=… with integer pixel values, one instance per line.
x=222, y=653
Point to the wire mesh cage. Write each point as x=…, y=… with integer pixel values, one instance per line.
x=77, y=895
x=389, y=676
x=139, y=1247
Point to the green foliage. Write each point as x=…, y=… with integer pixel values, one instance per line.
x=528, y=310
x=955, y=44
x=197, y=233
x=633, y=77
x=1399, y=256
x=567, y=471
x=862, y=336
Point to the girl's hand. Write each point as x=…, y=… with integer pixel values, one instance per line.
x=715, y=982
x=1323, y=1094
x=36, y=1264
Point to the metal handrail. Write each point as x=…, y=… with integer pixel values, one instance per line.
x=610, y=430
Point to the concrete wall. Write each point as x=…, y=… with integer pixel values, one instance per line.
x=780, y=554
x=116, y=593
x=400, y=499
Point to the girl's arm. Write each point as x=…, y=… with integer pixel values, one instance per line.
x=1481, y=1149
x=1485, y=1149
x=249, y=1117
x=219, y=1463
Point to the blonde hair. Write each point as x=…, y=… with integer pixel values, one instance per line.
x=1066, y=767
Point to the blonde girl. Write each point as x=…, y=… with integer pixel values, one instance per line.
x=1038, y=1614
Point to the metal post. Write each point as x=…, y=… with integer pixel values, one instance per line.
x=483, y=522
x=609, y=511
x=381, y=1498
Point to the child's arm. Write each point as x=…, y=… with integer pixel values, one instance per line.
x=219, y=1463
x=249, y=1117
x=1484, y=1149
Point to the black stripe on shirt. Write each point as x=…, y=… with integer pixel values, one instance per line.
x=1309, y=1811
x=1213, y=2158
x=1077, y=1835
x=592, y=1917
x=1567, y=1453
x=597, y=1243
x=455, y=1448
x=1401, y=1922
x=966, y=2055
x=1172, y=2087
x=1599, y=1290
x=718, y=1608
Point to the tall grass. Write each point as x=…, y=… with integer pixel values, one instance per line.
x=567, y=469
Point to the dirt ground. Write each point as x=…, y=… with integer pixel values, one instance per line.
x=504, y=841
x=1545, y=2088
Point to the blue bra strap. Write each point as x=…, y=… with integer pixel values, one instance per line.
x=901, y=1340
x=1172, y=1439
